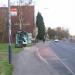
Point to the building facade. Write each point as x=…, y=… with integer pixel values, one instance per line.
x=23, y=20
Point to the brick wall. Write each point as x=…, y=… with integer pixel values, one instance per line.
x=27, y=21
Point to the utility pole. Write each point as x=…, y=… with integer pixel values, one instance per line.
x=9, y=34
x=20, y=14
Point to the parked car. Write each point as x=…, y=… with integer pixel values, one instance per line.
x=56, y=40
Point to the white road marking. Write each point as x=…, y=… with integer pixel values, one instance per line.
x=65, y=64
x=39, y=55
x=43, y=59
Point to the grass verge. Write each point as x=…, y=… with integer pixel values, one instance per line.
x=5, y=67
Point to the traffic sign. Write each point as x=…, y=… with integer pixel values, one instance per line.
x=13, y=12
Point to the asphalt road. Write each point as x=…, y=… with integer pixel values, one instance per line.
x=65, y=51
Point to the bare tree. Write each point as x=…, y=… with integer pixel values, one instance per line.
x=21, y=3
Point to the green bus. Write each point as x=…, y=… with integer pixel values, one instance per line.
x=21, y=39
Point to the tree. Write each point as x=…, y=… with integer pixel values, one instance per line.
x=41, y=26
x=21, y=3
x=51, y=33
x=62, y=33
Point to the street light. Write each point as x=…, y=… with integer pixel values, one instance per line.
x=9, y=35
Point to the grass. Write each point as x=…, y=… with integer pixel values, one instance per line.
x=4, y=48
x=5, y=67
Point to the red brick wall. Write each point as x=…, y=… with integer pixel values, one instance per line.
x=27, y=20
x=3, y=23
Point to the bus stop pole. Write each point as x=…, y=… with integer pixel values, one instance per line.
x=9, y=35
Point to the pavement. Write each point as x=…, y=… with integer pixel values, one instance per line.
x=31, y=61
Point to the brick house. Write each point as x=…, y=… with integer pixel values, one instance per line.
x=27, y=20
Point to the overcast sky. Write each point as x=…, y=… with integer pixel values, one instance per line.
x=56, y=13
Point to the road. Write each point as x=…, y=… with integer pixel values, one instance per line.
x=65, y=52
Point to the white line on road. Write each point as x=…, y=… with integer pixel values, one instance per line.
x=43, y=59
x=65, y=64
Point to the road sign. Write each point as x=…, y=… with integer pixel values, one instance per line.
x=13, y=12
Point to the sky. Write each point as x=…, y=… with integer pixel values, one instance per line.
x=56, y=13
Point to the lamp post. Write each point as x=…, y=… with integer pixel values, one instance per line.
x=20, y=14
x=9, y=35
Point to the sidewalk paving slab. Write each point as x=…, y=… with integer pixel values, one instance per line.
x=27, y=63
